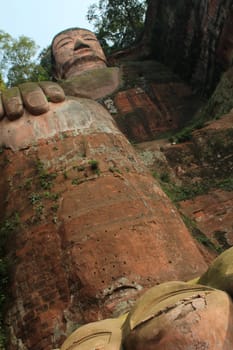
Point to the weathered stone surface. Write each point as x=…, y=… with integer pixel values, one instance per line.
x=214, y=143
x=53, y=91
x=207, y=155
x=75, y=51
x=213, y=214
x=195, y=40
x=95, y=228
x=28, y=131
x=137, y=116
x=220, y=102
x=93, y=84
x=13, y=105
x=34, y=99
x=151, y=100
x=173, y=315
x=202, y=169
x=179, y=316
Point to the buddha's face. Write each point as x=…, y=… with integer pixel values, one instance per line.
x=76, y=51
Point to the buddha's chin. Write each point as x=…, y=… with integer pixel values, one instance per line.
x=79, y=66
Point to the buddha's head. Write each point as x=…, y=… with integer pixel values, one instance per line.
x=75, y=51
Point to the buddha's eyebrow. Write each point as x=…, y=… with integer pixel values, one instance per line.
x=88, y=37
x=67, y=38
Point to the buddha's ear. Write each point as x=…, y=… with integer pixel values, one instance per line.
x=54, y=70
x=56, y=76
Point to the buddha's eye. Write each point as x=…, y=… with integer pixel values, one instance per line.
x=63, y=43
x=89, y=39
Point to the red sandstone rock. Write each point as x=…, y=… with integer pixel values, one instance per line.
x=95, y=228
x=138, y=117
x=76, y=51
x=203, y=164
x=160, y=101
x=34, y=99
x=13, y=105
x=191, y=39
x=213, y=214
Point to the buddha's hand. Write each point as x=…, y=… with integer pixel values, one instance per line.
x=32, y=97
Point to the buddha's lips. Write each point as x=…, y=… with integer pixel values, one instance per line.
x=80, y=46
x=83, y=50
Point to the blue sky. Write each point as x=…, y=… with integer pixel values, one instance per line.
x=42, y=19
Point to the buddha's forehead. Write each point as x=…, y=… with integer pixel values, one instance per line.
x=73, y=34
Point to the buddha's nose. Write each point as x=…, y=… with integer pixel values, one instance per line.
x=79, y=44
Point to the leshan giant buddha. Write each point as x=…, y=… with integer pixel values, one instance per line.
x=93, y=229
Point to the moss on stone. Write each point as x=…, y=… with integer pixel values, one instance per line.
x=10, y=93
x=28, y=87
x=82, y=84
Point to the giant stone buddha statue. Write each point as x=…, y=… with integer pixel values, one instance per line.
x=94, y=228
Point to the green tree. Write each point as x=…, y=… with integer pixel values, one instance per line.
x=45, y=63
x=20, y=62
x=2, y=84
x=42, y=70
x=118, y=23
x=17, y=58
x=4, y=44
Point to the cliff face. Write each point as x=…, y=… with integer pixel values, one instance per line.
x=152, y=101
x=221, y=101
x=194, y=38
x=198, y=176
